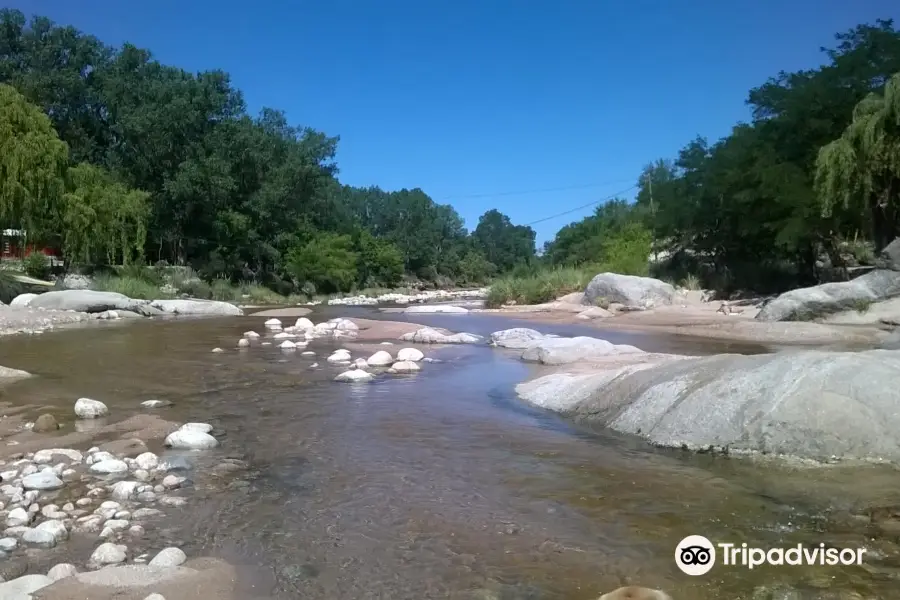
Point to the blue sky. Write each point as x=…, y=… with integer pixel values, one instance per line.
x=476, y=101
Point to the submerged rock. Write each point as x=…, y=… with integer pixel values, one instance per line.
x=809, y=404
x=428, y=335
x=355, y=375
x=558, y=351
x=404, y=366
x=437, y=308
x=517, y=338
x=189, y=438
x=45, y=424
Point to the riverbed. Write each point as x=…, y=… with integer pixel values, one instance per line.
x=443, y=484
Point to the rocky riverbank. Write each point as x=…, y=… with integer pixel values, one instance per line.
x=643, y=304
x=36, y=313
x=108, y=497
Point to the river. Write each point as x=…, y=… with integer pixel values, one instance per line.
x=444, y=485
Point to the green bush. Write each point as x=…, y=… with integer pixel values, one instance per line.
x=37, y=265
x=195, y=288
x=544, y=286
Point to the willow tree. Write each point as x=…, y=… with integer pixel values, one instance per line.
x=102, y=219
x=861, y=169
x=33, y=161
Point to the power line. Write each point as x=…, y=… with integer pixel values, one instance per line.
x=535, y=191
x=583, y=206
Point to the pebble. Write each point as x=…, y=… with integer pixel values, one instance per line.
x=109, y=466
x=109, y=554
x=136, y=531
x=243, y=343
x=147, y=461
x=18, y=517
x=155, y=597
x=42, y=481
x=168, y=557
x=172, y=501
x=217, y=350
x=191, y=439
x=86, y=408
x=8, y=544
x=155, y=403
x=84, y=502
x=172, y=482
x=145, y=513
x=124, y=490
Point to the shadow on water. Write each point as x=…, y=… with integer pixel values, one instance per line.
x=439, y=484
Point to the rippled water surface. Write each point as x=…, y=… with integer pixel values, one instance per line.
x=442, y=484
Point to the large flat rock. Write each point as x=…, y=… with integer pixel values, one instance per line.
x=804, y=304
x=809, y=404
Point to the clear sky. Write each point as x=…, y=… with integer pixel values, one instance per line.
x=476, y=101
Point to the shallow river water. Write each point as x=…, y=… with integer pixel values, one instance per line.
x=444, y=485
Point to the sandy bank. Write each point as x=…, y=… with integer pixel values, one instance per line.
x=21, y=319
x=703, y=319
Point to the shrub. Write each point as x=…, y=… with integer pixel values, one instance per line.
x=37, y=265
x=133, y=287
x=10, y=287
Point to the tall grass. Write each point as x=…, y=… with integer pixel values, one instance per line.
x=541, y=286
x=133, y=287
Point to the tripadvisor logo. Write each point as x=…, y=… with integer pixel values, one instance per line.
x=696, y=555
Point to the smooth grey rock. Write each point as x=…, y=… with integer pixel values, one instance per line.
x=147, y=461
x=51, y=454
x=805, y=304
x=42, y=481
x=131, y=576
x=8, y=544
x=109, y=466
x=23, y=299
x=190, y=439
x=87, y=408
x=22, y=587
x=155, y=403
x=410, y=355
x=108, y=554
x=88, y=301
x=124, y=490
x=355, y=375
x=517, y=338
x=197, y=307
x=18, y=517
x=630, y=290
x=889, y=257
x=558, y=351
x=40, y=538
x=61, y=571
x=168, y=557
x=429, y=335
x=437, y=309
x=405, y=366
x=809, y=404
x=380, y=359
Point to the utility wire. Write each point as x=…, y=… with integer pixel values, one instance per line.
x=537, y=191
x=583, y=206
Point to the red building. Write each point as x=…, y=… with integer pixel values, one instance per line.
x=15, y=246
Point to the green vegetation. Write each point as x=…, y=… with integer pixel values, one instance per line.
x=814, y=177
x=121, y=160
x=118, y=159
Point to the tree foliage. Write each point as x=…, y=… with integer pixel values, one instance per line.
x=768, y=205
x=236, y=196
x=32, y=165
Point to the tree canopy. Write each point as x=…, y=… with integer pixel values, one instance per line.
x=174, y=160
x=811, y=179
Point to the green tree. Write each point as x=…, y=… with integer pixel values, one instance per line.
x=380, y=262
x=328, y=262
x=502, y=243
x=102, y=220
x=861, y=169
x=32, y=166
